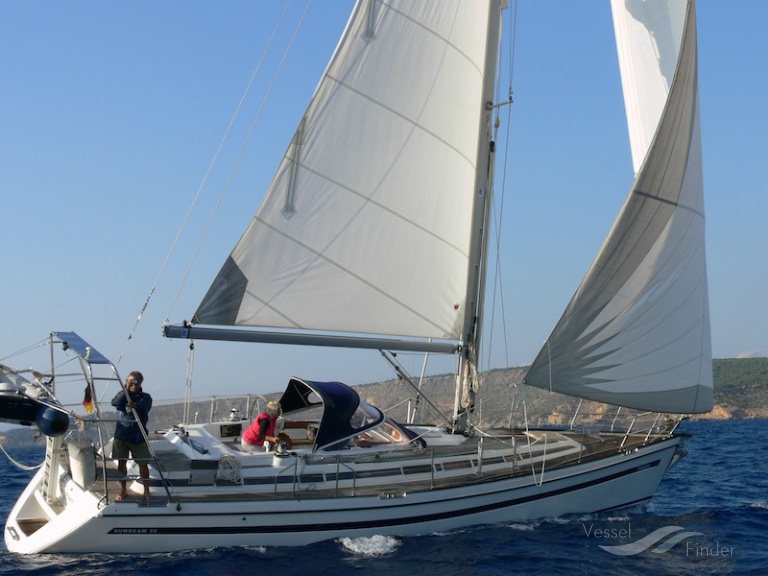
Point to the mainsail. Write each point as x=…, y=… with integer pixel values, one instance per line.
x=636, y=333
x=366, y=227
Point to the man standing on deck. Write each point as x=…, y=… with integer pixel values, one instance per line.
x=130, y=435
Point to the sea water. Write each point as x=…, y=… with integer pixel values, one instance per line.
x=709, y=516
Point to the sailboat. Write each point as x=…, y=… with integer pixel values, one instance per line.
x=374, y=234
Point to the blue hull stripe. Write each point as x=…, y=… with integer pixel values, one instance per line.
x=380, y=523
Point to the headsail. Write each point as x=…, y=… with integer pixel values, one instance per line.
x=366, y=225
x=648, y=38
x=636, y=333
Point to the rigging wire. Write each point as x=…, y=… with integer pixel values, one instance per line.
x=240, y=156
x=29, y=348
x=200, y=189
x=500, y=211
x=498, y=293
x=188, y=385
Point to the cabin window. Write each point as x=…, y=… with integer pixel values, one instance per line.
x=364, y=416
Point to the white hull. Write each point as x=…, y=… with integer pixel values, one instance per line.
x=81, y=525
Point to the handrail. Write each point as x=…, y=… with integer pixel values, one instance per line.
x=613, y=422
x=545, y=436
x=295, y=466
x=655, y=424
x=480, y=448
x=339, y=463
x=627, y=433
x=88, y=358
x=576, y=413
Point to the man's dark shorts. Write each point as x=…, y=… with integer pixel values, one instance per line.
x=122, y=450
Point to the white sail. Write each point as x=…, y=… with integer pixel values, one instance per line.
x=648, y=37
x=366, y=225
x=636, y=333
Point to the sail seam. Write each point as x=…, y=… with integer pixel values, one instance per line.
x=670, y=202
x=321, y=256
x=372, y=201
x=414, y=123
x=370, y=33
x=431, y=32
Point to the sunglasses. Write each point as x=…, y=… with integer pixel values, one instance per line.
x=132, y=381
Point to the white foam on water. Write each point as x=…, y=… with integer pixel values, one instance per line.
x=530, y=527
x=372, y=546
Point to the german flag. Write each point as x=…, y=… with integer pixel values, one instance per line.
x=88, y=401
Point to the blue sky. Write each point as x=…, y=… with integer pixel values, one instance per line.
x=112, y=112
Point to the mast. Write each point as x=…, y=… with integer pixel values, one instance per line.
x=466, y=375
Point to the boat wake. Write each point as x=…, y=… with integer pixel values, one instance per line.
x=371, y=547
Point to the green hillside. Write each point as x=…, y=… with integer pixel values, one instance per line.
x=741, y=385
